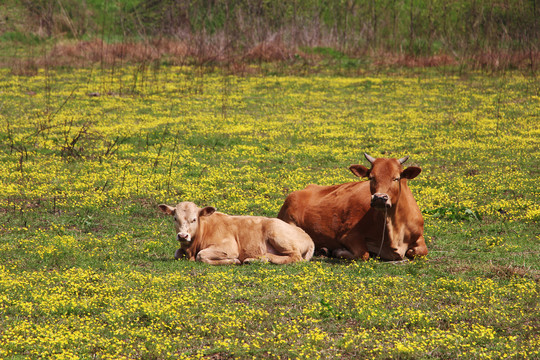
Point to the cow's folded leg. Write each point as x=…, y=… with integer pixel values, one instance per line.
x=286, y=243
x=323, y=252
x=180, y=253
x=344, y=253
x=419, y=249
x=216, y=257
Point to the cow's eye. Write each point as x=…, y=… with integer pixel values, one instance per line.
x=397, y=179
x=194, y=220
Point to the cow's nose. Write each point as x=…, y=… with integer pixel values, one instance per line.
x=183, y=236
x=380, y=197
x=380, y=200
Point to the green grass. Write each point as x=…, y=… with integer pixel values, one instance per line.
x=87, y=259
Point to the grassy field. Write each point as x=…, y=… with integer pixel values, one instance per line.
x=87, y=265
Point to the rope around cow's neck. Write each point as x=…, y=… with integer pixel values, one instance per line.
x=383, y=231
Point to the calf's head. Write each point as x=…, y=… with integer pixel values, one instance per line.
x=385, y=178
x=186, y=219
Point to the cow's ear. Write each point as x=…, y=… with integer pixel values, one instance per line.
x=169, y=210
x=207, y=211
x=359, y=170
x=411, y=172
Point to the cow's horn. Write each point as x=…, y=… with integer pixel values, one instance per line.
x=371, y=159
x=403, y=159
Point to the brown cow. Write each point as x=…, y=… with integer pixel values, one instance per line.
x=215, y=238
x=353, y=219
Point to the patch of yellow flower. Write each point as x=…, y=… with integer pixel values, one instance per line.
x=242, y=144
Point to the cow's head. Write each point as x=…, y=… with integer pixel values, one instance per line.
x=186, y=219
x=385, y=178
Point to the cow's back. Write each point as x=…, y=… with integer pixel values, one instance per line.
x=327, y=213
x=282, y=237
x=221, y=226
x=253, y=236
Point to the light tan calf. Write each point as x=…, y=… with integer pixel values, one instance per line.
x=215, y=238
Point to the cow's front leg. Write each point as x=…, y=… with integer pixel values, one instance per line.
x=180, y=253
x=216, y=257
x=417, y=248
x=344, y=253
x=354, y=247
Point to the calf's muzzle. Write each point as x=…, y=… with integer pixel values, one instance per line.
x=182, y=236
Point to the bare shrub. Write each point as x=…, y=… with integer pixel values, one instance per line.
x=406, y=60
x=500, y=60
x=83, y=52
x=25, y=67
x=272, y=49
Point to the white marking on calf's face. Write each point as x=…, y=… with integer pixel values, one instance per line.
x=186, y=221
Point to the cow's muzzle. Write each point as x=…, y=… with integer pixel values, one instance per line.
x=183, y=237
x=380, y=201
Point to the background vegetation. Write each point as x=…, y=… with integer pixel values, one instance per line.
x=496, y=34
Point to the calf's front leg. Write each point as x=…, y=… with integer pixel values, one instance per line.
x=180, y=253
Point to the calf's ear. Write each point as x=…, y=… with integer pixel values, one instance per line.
x=207, y=211
x=359, y=170
x=411, y=172
x=169, y=210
